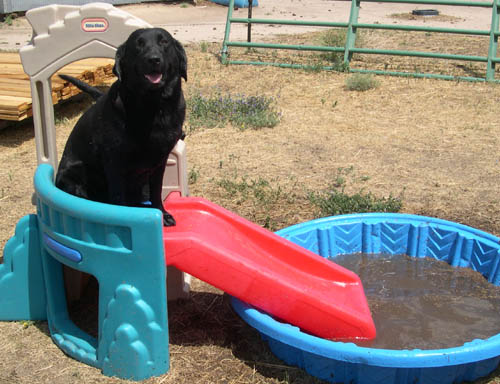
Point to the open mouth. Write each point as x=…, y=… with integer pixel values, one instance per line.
x=154, y=78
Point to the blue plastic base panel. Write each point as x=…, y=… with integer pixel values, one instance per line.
x=237, y=3
x=122, y=247
x=417, y=236
x=22, y=286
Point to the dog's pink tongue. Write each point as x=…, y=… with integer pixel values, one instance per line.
x=154, y=78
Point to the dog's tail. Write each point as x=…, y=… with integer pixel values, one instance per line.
x=94, y=92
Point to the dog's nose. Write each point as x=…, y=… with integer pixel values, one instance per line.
x=154, y=60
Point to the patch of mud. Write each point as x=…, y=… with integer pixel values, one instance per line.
x=437, y=18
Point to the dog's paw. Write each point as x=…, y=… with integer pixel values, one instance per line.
x=168, y=220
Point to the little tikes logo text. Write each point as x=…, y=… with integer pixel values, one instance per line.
x=95, y=24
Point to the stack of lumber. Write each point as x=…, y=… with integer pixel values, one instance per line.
x=15, y=93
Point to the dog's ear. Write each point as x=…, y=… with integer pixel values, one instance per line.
x=182, y=59
x=117, y=68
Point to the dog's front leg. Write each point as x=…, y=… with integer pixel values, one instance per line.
x=155, y=189
x=117, y=187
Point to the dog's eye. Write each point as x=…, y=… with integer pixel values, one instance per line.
x=162, y=40
x=140, y=42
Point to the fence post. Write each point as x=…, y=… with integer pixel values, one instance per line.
x=351, y=31
x=224, y=52
x=492, y=51
x=249, y=28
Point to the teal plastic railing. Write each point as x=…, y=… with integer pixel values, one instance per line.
x=352, y=26
x=122, y=247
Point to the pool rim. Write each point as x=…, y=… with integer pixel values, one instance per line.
x=470, y=352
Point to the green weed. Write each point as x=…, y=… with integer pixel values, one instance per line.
x=193, y=175
x=241, y=111
x=337, y=38
x=204, y=47
x=260, y=200
x=334, y=38
x=61, y=120
x=8, y=19
x=27, y=323
x=336, y=201
x=313, y=67
x=361, y=82
x=258, y=189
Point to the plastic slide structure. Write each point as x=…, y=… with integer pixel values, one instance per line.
x=253, y=264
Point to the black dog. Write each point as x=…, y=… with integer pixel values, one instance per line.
x=118, y=150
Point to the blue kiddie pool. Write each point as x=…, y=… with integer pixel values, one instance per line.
x=237, y=3
x=417, y=236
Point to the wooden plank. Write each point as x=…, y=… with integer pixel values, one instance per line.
x=12, y=113
x=12, y=66
x=23, y=107
x=25, y=95
x=20, y=117
x=15, y=91
x=10, y=57
x=13, y=72
x=21, y=76
x=6, y=80
x=7, y=88
x=11, y=101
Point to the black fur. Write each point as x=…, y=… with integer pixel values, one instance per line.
x=94, y=92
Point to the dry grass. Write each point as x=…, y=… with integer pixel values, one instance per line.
x=434, y=141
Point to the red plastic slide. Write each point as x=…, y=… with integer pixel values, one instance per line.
x=266, y=271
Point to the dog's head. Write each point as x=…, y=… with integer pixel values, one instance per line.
x=150, y=59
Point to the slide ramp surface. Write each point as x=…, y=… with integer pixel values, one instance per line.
x=259, y=267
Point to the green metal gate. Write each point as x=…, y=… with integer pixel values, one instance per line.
x=352, y=26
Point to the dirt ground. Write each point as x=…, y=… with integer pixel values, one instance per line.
x=434, y=143
x=206, y=21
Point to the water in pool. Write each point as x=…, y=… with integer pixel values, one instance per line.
x=425, y=303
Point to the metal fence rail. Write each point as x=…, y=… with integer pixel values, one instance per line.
x=352, y=26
